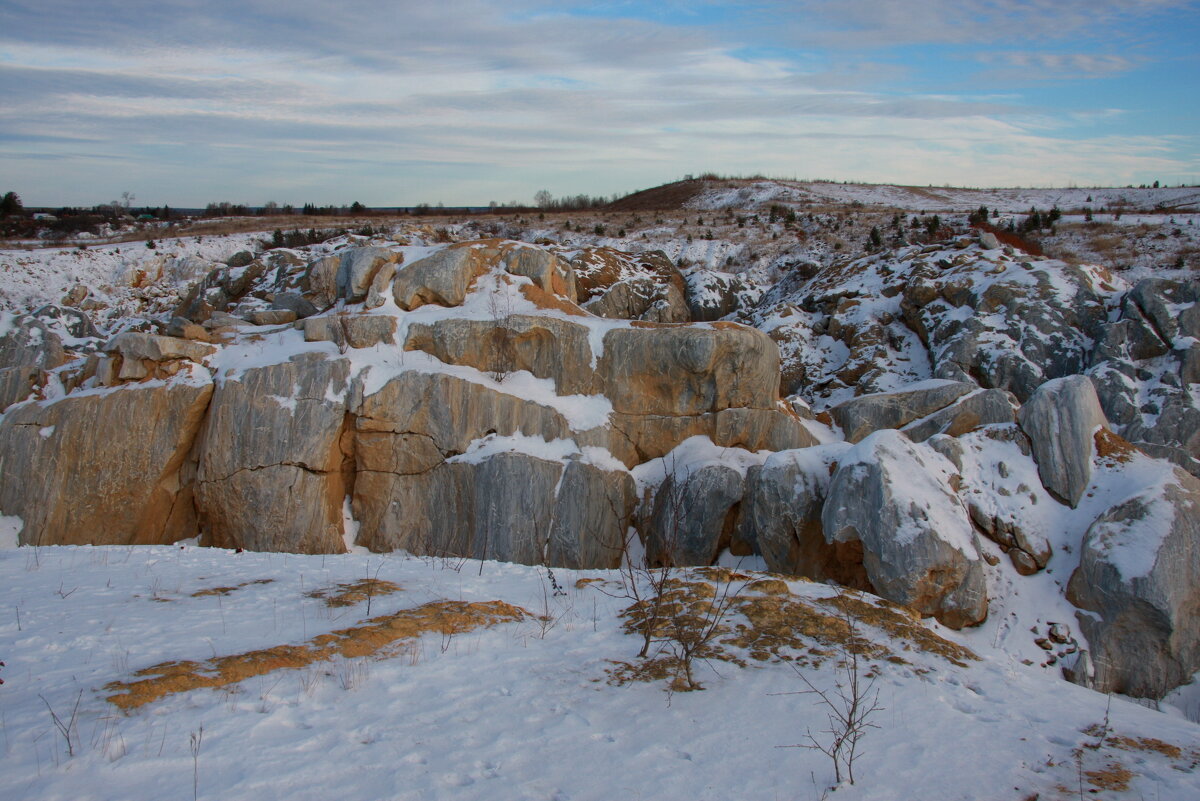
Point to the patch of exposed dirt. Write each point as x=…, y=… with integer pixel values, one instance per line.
x=374, y=636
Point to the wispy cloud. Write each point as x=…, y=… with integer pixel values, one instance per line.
x=398, y=102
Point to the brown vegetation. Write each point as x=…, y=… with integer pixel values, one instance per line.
x=369, y=638
x=354, y=592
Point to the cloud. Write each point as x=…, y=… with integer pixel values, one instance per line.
x=870, y=23
x=389, y=96
x=1025, y=64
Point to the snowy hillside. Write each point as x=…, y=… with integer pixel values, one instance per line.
x=599, y=504
x=523, y=709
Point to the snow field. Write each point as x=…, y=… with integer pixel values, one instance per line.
x=518, y=711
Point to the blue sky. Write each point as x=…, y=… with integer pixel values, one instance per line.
x=464, y=101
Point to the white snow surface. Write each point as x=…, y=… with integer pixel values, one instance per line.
x=519, y=711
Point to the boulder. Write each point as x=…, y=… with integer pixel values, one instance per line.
x=16, y=384
x=453, y=412
x=358, y=268
x=981, y=408
x=689, y=515
x=547, y=270
x=1189, y=364
x=688, y=370
x=1138, y=582
x=376, y=293
x=351, y=330
x=443, y=278
x=863, y=415
x=510, y=506
x=592, y=514
x=548, y=347
x=630, y=286
x=271, y=461
x=26, y=341
x=140, y=352
x=1061, y=419
x=186, y=269
x=780, y=516
x=240, y=259
x=424, y=513
x=70, y=322
x=295, y=303
x=273, y=317
x=712, y=295
x=104, y=468
x=893, y=498
x=636, y=438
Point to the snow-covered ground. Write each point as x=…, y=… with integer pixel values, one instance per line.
x=916, y=198
x=521, y=710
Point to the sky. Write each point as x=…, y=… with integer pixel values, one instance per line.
x=464, y=102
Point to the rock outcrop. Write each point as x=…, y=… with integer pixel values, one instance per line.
x=894, y=498
x=109, y=467
x=866, y=414
x=628, y=286
x=271, y=460
x=1061, y=420
x=690, y=513
x=1138, y=583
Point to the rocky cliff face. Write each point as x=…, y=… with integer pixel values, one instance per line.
x=498, y=400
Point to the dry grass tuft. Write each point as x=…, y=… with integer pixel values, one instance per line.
x=355, y=592
x=1146, y=744
x=902, y=624
x=1113, y=448
x=768, y=623
x=369, y=638
x=1114, y=777
x=228, y=590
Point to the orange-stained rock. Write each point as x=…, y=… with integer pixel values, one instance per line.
x=103, y=468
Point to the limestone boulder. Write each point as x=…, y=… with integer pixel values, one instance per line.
x=712, y=295
x=592, y=514
x=690, y=515
x=865, y=414
x=155, y=348
x=107, y=468
x=67, y=321
x=26, y=341
x=1061, y=420
x=442, y=278
x=1138, y=582
x=511, y=506
x=351, y=330
x=140, y=355
x=345, y=275
x=893, y=498
x=686, y=370
x=186, y=269
x=547, y=270
x=548, y=347
x=295, y=303
x=271, y=474
x=630, y=286
x=453, y=412
x=982, y=408
x=781, y=517
x=637, y=438
x=16, y=384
